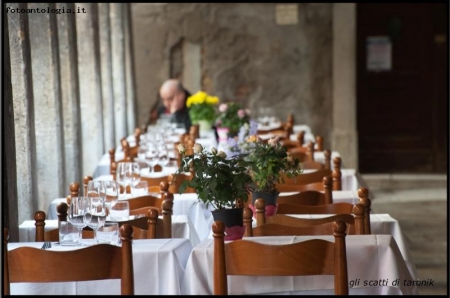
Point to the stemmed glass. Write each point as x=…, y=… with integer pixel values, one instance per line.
x=95, y=189
x=95, y=213
x=151, y=156
x=111, y=194
x=163, y=155
x=128, y=173
x=76, y=213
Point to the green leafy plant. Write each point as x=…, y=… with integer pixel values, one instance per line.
x=232, y=116
x=218, y=180
x=270, y=163
x=202, y=107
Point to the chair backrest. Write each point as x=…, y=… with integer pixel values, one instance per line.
x=86, y=180
x=363, y=194
x=311, y=257
x=175, y=181
x=310, y=194
x=314, y=178
x=280, y=224
x=315, y=165
x=308, y=150
x=130, y=152
x=334, y=208
x=29, y=264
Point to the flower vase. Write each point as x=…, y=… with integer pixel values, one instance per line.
x=204, y=125
x=271, y=202
x=233, y=219
x=222, y=133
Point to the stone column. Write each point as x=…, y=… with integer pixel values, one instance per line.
x=9, y=189
x=90, y=87
x=118, y=67
x=344, y=134
x=47, y=105
x=106, y=74
x=129, y=71
x=70, y=98
x=192, y=69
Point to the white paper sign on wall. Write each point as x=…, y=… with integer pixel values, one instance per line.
x=379, y=53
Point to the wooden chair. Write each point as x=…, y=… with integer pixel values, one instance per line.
x=29, y=264
x=175, y=181
x=86, y=180
x=299, y=143
x=311, y=257
x=280, y=224
x=283, y=131
x=335, y=208
x=163, y=205
x=194, y=131
x=310, y=196
x=149, y=232
x=311, y=181
x=315, y=165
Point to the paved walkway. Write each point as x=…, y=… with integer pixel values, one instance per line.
x=419, y=203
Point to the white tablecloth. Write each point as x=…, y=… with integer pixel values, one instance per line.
x=369, y=257
x=207, y=140
x=200, y=217
x=380, y=224
x=181, y=228
x=159, y=266
x=350, y=179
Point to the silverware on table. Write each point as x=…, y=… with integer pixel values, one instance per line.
x=46, y=245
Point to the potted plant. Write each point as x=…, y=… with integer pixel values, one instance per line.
x=218, y=181
x=230, y=119
x=202, y=109
x=270, y=163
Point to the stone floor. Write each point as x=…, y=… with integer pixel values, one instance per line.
x=419, y=203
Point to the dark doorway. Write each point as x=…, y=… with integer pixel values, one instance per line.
x=402, y=87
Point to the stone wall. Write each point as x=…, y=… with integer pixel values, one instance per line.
x=245, y=56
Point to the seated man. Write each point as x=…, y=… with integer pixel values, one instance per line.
x=174, y=98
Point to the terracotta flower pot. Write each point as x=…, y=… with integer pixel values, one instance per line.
x=233, y=219
x=271, y=202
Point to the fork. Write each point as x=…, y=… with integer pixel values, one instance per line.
x=46, y=245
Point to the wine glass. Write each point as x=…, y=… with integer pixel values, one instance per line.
x=163, y=155
x=128, y=173
x=120, y=210
x=95, y=213
x=76, y=213
x=111, y=194
x=95, y=189
x=151, y=156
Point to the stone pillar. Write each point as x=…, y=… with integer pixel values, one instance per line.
x=47, y=105
x=118, y=67
x=70, y=99
x=23, y=104
x=90, y=87
x=129, y=71
x=9, y=189
x=344, y=134
x=106, y=74
x=192, y=72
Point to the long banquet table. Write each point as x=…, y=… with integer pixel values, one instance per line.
x=369, y=258
x=198, y=214
x=159, y=266
x=181, y=228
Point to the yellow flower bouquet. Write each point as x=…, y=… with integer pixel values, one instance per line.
x=201, y=107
